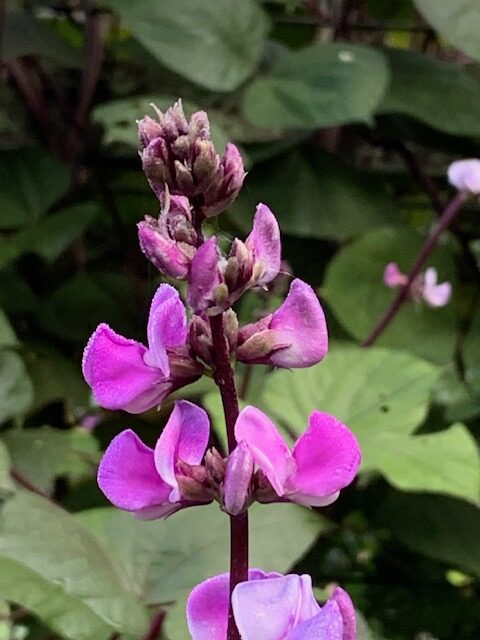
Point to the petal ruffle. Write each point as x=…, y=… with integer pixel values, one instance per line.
x=184, y=437
x=347, y=610
x=264, y=242
x=266, y=445
x=300, y=322
x=128, y=477
x=115, y=369
x=167, y=326
x=326, y=625
x=327, y=457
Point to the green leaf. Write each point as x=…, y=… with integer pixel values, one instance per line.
x=30, y=182
x=42, y=454
x=383, y=397
x=16, y=390
x=165, y=558
x=314, y=195
x=437, y=526
x=438, y=93
x=7, y=334
x=119, y=118
x=216, y=45
x=355, y=290
x=6, y=484
x=323, y=85
x=53, y=566
x=458, y=22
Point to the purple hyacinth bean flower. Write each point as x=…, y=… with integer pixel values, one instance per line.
x=264, y=245
x=269, y=607
x=393, y=277
x=293, y=336
x=324, y=459
x=465, y=175
x=123, y=373
x=435, y=295
x=136, y=478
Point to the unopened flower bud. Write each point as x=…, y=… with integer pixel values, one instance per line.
x=215, y=465
x=192, y=490
x=200, y=339
x=148, y=130
x=221, y=196
x=183, y=366
x=238, y=476
x=230, y=327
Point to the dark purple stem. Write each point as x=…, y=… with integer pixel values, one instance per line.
x=223, y=375
x=156, y=624
x=94, y=50
x=446, y=219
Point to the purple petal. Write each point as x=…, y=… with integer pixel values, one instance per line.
x=267, y=609
x=393, y=277
x=327, y=457
x=347, y=610
x=266, y=445
x=207, y=606
x=465, y=175
x=436, y=295
x=115, y=369
x=167, y=326
x=184, y=437
x=238, y=476
x=127, y=475
x=300, y=322
x=264, y=242
x=326, y=625
x=204, y=276
x=162, y=252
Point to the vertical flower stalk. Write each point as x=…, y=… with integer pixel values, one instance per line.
x=223, y=375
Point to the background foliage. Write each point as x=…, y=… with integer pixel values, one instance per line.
x=348, y=113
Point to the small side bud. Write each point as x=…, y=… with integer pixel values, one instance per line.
x=233, y=175
x=215, y=465
x=238, y=476
x=230, y=327
x=200, y=339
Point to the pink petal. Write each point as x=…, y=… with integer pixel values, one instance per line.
x=264, y=242
x=127, y=475
x=207, y=606
x=238, y=476
x=162, y=252
x=465, y=175
x=267, y=609
x=167, y=326
x=327, y=457
x=115, y=369
x=326, y=625
x=347, y=610
x=436, y=295
x=184, y=437
x=266, y=445
x=393, y=277
x=300, y=321
x=204, y=276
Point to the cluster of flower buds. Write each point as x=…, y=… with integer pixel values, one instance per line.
x=193, y=183
x=179, y=154
x=424, y=287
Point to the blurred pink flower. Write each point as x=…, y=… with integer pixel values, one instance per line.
x=465, y=175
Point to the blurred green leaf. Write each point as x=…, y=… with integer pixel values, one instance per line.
x=42, y=454
x=119, y=118
x=216, y=45
x=437, y=526
x=383, y=397
x=24, y=35
x=30, y=182
x=458, y=22
x=164, y=558
x=6, y=484
x=7, y=334
x=322, y=85
x=355, y=290
x=439, y=93
x=53, y=566
x=314, y=195
x=16, y=389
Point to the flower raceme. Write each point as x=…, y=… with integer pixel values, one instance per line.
x=424, y=287
x=124, y=374
x=324, y=459
x=269, y=606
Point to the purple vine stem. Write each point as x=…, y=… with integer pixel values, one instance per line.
x=223, y=375
x=445, y=220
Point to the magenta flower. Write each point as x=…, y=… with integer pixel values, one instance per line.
x=424, y=287
x=293, y=336
x=170, y=242
x=147, y=481
x=264, y=246
x=269, y=607
x=324, y=459
x=465, y=175
x=124, y=374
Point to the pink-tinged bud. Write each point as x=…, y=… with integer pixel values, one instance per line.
x=179, y=155
x=393, y=277
x=204, y=277
x=170, y=242
x=183, y=367
x=238, y=476
x=215, y=465
x=200, y=339
x=465, y=175
x=265, y=246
